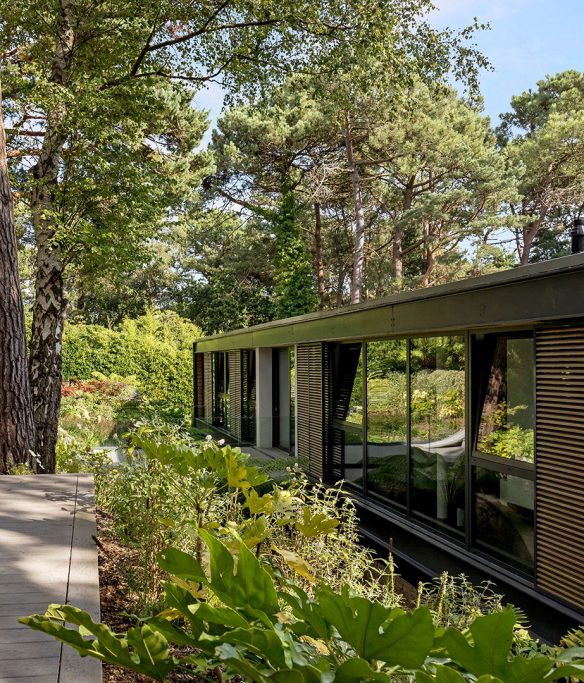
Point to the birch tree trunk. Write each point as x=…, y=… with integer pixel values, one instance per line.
x=50, y=303
x=359, y=245
x=16, y=416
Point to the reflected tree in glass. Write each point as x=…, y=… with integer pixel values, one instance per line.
x=437, y=426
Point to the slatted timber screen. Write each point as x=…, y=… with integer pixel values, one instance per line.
x=560, y=462
x=199, y=393
x=309, y=399
x=208, y=382
x=235, y=403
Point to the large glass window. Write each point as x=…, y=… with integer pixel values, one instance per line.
x=437, y=430
x=387, y=420
x=347, y=413
x=504, y=451
x=504, y=516
x=507, y=410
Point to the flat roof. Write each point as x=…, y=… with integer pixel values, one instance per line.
x=538, y=292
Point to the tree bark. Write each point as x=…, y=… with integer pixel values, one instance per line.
x=318, y=256
x=359, y=245
x=398, y=236
x=50, y=304
x=16, y=415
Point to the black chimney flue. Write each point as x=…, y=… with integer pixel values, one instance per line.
x=577, y=235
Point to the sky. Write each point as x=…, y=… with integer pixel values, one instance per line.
x=528, y=40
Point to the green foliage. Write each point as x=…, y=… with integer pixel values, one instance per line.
x=294, y=291
x=505, y=439
x=155, y=350
x=543, y=138
x=228, y=610
x=454, y=601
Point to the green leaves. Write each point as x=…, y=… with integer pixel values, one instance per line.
x=317, y=524
x=143, y=648
x=489, y=655
x=330, y=638
x=378, y=633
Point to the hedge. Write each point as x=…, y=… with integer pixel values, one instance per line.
x=156, y=349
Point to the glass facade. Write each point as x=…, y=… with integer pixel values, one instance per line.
x=387, y=421
x=347, y=413
x=504, y=516
x=398, y=435
x=504, y=472
x=437, y=431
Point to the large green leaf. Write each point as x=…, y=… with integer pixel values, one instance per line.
x=250, y=589
x=359, y=671
x=143, y=649
x=310, y=620
x=378, y=633
x=178, y=563
x=490, y=651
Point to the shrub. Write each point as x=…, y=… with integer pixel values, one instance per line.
x=155, y=349
x=230, y=615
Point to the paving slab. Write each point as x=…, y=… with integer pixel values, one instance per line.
x=47, y=555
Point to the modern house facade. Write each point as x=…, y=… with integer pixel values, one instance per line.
x=452, y=414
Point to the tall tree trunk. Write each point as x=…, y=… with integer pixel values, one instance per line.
x=319, y=262
x=359, y=245
x=397, y=256
x=16, y=416
x=50, y=303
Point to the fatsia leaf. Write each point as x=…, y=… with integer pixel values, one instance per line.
x=318, y=524
x=376, y=632
x=259, y=504
x=251, y=589
x=490, y=653
x=143, y=649
x=359, y=671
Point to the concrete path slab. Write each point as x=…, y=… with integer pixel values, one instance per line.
x=47, y=554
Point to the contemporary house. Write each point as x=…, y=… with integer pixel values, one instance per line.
x=454, y=415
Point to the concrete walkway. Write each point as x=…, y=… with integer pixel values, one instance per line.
x=47, y=555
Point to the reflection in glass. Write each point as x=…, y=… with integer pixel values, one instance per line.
x=507, y=414
x=504, y=516
x=437, y=424
x=347, y=412
x=387, y=420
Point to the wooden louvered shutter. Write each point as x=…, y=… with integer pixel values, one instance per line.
x=199, y=388
x=235, y=393
x=208, y=382
x=309, y=398
x=248, y=394
x=560, y=462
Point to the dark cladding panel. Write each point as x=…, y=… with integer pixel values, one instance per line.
x=560, y=462
x=199, y=393
x=208, y=389
x=309, y=397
